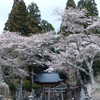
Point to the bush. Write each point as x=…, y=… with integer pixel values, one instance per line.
x=62, y=85
x=26, y=85
x=35, y=86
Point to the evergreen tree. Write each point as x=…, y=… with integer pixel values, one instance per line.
x=34, y=17
x=81, y=4
x=46, y=26
x=90, y=5
x=70, y=3
x=16, y=1
x=92, y=8
x=17, y=18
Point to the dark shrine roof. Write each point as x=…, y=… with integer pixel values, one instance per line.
x=48, y=78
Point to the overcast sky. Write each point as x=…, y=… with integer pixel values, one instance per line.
x=46, y=7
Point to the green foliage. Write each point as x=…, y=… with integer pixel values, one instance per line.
x=78, y=82
x=96, y=67
x=26, y=84
x=2, y=90
x=16, y=1
x=90, y=5
x=46, y=26
x=54, y=50
x=36, y=86
x=39, y=57
x=62, y=85
x=96, y=70
x=63, y=31
x=34, y=17
x=81, y=4
x=12, y=88
x=17, y=18
x=40, y=68
x=70, y=3
x=24, y=20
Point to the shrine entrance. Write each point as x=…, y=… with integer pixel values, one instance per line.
x=48, y=82
x=55, y=93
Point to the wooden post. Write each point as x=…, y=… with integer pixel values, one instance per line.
x=75, y=93
x=55, y=91
x=49, y=94
x=62, y=97
x=70, y=94
x=32, y=76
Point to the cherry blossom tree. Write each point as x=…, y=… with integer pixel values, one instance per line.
x=94, y=27
x=74, y=20
x=16, y=52
x=76, y=50
x=81, y=46
x=11, y=66
x=56, y=51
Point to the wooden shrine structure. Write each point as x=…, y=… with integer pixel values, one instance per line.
x=58, y=92
x=48, y=80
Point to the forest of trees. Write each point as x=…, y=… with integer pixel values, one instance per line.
x=29, y=45
x=26, y=20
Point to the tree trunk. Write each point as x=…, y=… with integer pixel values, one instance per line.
x=82, y=84
x=93, y=88
x=32, y=76
x=1, y=77
x=19, y=90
